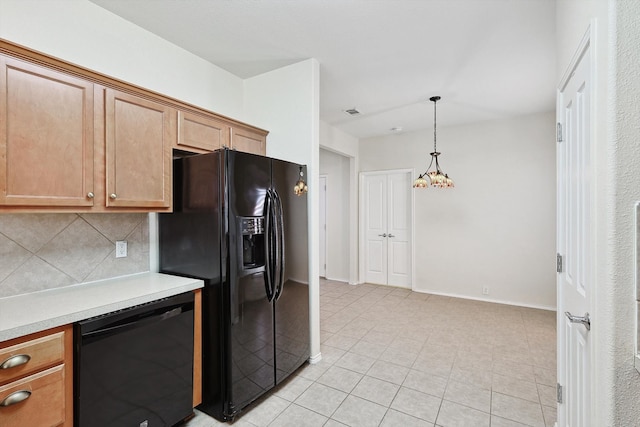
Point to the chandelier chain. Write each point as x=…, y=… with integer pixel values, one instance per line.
x=435, y=106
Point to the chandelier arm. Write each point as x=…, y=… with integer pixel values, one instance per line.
x=429, y=167
x=438, y=167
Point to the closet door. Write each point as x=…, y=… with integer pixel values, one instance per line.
x=375, y=219
x=399, y=229
x=386, y=200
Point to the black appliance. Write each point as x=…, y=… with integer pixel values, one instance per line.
x=134, y=367
x=238, y=225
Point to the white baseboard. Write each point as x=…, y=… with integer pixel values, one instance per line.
x=304, y=282
x=496, y=301
x=337, y=279
x=315, y=359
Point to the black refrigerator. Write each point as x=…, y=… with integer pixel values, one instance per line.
x=238, y=224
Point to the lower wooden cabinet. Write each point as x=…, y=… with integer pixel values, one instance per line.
x=36, y=382
x=37, y=400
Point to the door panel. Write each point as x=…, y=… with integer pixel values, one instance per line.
x=251, y=340
x=46, y=120
x=399, y=230
x=138, y=138
x=201, y=132
x=375, y=229
x=387, y=217
x=249, y=141
x=250, y=177
x=574, y=244
x=292, y=328
x=292, y=306
x=251, y=312
x=323, y=226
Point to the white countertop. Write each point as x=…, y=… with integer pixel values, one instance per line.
x=25, y=314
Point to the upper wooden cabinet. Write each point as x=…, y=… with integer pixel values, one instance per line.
x=73, y=140
x=201, y=132
x=46, y=136
x=138, y=138
x=249, y=141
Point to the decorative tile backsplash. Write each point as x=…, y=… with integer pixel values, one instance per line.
x=44, y=251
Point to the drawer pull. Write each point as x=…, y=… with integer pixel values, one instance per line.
x=15, y=397
x=13, y=361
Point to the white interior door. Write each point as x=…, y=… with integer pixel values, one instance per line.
x=322, y=184
x=387, y=228
x=375, y=217
x=399, y=230
x=575, y=280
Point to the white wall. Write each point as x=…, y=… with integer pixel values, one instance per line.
x=83, y=33
x=616, y=384
x=626, y=164
x=286, y=102
x=336, y=167
x=333, y=139
x=496, y=228
x=339, y=142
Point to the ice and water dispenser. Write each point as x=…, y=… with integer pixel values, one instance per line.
x=252, y=242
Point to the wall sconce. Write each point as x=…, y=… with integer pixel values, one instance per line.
x=301, y=187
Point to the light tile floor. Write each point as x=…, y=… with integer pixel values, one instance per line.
x=392, y=357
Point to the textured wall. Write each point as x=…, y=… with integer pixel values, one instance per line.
x=44, y=251
x=615, y=390
x=626, y=158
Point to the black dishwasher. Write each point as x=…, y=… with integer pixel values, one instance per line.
x=134, y=367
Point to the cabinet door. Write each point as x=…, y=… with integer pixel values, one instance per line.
x=204, y=133
x=139, y=133
x=248, y=141
x=46, y=137
x=41, y=400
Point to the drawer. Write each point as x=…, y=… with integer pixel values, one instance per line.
x=45, y=406
x=38, y=353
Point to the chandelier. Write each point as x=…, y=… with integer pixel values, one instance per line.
x=435, y=177
x=301, y=187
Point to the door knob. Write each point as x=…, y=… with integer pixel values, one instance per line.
x=584, y=320
x=391, y=235
x=383, y=235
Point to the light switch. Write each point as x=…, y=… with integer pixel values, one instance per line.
x=121, y=248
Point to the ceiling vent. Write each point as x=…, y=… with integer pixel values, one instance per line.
x=352, y=112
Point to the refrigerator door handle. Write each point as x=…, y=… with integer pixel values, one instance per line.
x=276, y=244
x=281, y=248
x=268, y=241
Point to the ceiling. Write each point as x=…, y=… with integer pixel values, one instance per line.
x=487, y=59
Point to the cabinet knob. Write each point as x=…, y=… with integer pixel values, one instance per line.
x=13, y=361
x=113, y=196
x=15, y=397
x=90, y=195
